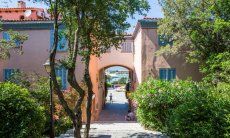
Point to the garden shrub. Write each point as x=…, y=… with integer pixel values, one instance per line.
x=20, y=114
x=39, y=90
x=109, y=84
x=184, y=108
x=157, y=98
x=205, y=114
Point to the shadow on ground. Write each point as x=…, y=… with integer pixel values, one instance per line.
x=101, y=136
x=145, y=135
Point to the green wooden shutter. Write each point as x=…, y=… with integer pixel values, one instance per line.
x=6, y=36
x=162, y=73
x=171, y=74
x=62, y=74
x=62, y=43
x=174, y=73
x=51, y=39
x=64, y=78
x=7, y=73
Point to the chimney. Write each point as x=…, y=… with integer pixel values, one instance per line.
x=21, y=4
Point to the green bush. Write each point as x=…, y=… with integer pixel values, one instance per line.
x=156, y=99
x=109, y=84
x=205, y=114
x=39, y=90
x=184, y=108
x=20, y=114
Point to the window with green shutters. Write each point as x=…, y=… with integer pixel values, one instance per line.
x=6, y=36
x=61, y=72
x=167, y=73
x=7, y=73
x=62, y=41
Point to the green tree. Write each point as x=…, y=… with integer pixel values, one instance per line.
x=123, y=80
x=217, y=68
x=15, y=41
x=91, y=28
x=199, y=28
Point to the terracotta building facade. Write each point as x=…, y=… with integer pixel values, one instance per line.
x=136, y=54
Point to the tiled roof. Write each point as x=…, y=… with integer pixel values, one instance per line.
x=26, y=20
x=27, y=8
x=149, y=18
x=146, y=22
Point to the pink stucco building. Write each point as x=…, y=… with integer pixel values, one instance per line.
x=136, y=54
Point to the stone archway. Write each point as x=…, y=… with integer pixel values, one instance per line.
x=113, y=57
x=103, y=79
x=116, y=110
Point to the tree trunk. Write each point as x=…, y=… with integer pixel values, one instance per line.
x=89, y=98
x=76, y=118
x=77, y=123
x=77, y=130
x=88, y=111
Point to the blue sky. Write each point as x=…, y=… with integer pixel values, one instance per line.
x=155, y=10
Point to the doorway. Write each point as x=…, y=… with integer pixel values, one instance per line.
x=116, y=103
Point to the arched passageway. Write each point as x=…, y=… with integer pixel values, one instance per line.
x=117, y=80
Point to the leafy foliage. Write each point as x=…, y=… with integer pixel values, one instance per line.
x=184, y=108
x=39, y=90
x=15, y=41
x=19, y=113
x=205, y=114
x=157, y=98
x=200, y=28
x=217, y=68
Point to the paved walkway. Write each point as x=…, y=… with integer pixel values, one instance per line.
x=112, y=122
x=115, y=110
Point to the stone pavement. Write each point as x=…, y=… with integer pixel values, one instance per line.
x=115, y=110
x=112, y=122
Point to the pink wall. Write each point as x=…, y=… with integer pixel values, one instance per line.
x=35, y=53
x=137, y=58
x=148, y=49
x=116, y=57
x=151, y=63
